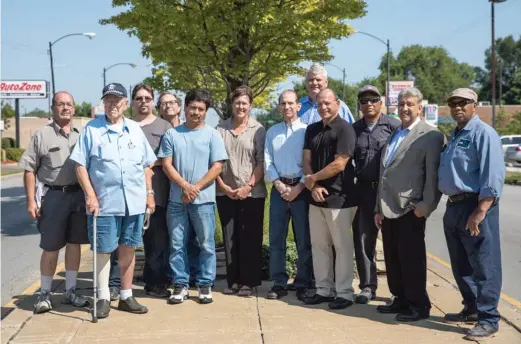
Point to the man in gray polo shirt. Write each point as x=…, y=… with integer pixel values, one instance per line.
x=56, y=200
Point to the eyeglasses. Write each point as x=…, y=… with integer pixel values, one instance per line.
x=170, y=103
x=64, y=105
x=461, y=103
x=143, y=99
x=373, y=100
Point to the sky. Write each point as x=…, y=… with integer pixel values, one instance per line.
x=462, y=27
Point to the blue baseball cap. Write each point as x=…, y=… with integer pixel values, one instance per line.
x=115, y=89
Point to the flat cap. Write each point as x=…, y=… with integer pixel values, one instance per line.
x=369, y=88
x=465, y=93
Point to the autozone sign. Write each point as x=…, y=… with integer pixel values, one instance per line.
x=23, y=89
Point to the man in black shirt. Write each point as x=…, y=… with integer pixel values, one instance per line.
x=372, y=132
x=329, y=174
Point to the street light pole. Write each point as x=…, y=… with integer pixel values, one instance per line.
x=52, y=69
x=104, y=76
x=493, y=62
x=344, y=84
x=105, y=69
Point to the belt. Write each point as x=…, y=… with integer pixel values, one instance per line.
x=290, y=181
x=374, y=185
x=65, y=188
x=462, y=196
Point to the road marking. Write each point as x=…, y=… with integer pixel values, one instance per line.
x=30, y=290
x=505, y=297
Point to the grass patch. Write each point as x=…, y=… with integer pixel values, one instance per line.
x=513, y=178
x=8, y=172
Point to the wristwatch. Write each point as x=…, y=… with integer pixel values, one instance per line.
x=151, y=192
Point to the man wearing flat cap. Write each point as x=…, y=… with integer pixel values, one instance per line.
x=471, y=174
x=113, y=164
x=372, y=132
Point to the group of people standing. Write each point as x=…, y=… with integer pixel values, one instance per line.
x=328, y=174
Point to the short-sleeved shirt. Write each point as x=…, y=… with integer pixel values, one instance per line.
x=473, y=161
x=193, y=152
x=245, y=152
x=308, y=112
x=116, y=159
x=369, y=144
x=324, y=142
x=160, y=184
x=48, y=155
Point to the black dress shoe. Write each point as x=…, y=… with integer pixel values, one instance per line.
x=481, y=332
x=413, y=315
x=276, y=293
x=340, y=303
x=398, y=306
x=102, y=308
x=316, y=299
x=132, y=306
x=463, y=317
x=302, y=293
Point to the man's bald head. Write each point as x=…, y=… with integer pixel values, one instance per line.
x=327, y=92
x=59, y=94
x=328, y=104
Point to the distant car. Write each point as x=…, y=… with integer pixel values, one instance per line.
x=510, y=141
x=513, y=155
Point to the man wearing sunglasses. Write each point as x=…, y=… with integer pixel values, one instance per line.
x=372, y=131
x=471, y=174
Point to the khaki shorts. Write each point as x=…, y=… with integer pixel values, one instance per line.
x=62, y=220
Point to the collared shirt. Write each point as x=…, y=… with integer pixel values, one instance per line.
x=369, y=144
x=324, y=142
x=473, y=162
x=48, y=155
x=116, y=159
x=283, y=151
x=399, y=135
x=193, y=152
x=245, y=152
x=308, y=113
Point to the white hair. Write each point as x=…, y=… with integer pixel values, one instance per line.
x=316, y=68
x=411, y=92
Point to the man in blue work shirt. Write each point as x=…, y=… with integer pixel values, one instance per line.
x=316, y=81
x=113, y=160
x=472, y=173
x=289, y=198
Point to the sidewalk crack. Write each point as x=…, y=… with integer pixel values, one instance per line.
x=258, y=315
x=20, y=329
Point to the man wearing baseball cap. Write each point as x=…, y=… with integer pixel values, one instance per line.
x=372, y=131
x=471, y=174
x=113, y=163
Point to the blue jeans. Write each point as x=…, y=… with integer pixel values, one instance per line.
x=113, y=231
x=181, y=219
x=475, y=260
x=280, y=213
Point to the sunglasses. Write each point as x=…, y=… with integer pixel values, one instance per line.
x=373, y=100
x=143, y=99
x=462, y=103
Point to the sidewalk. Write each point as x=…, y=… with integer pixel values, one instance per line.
x=231, y=319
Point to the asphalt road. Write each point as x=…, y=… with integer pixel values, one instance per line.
x=20, y=241
x=510, y=225
x=21, y=253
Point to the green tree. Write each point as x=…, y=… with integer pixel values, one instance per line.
x=436, y=73
x=222, y=44
x=38, y=113
x=508, y=72
x=514, y=126
x=83, y=109
x=7, y=113
x=270, y=118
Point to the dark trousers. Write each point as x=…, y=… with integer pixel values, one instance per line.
x=365, y=234
x=155, y=240
x=475, y=260
x=280, y=213
x=242, y=225
x=406, y=260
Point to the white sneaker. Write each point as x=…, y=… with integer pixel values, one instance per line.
x=43, y=303
x=179, y=294
x=205, y=294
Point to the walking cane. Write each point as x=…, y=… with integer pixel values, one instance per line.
x=95, y=274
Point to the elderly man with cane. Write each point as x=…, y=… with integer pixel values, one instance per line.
x=113, y=159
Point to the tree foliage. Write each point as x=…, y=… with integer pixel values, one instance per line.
x=508, y=72
x=435, y=72
x=38, y=113
x=222, y=44
x=7, y=113
x=83, y=109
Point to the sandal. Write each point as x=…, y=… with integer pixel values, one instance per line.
x=245, y=291
x=233, y=290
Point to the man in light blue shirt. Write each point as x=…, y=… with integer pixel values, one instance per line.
x=397, y=138
x=316, y=81
x=289, y=198
x=192, y=154
x=472, y=173
x=113, y=160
